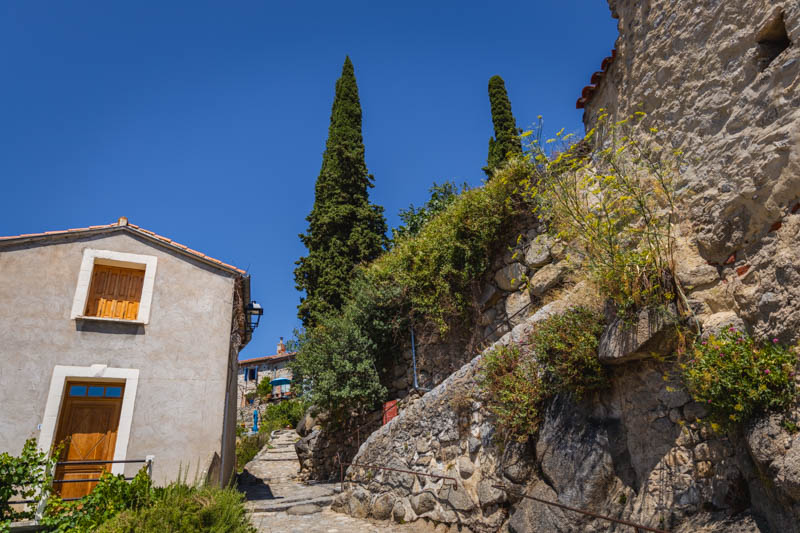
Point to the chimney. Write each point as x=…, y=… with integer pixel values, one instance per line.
x=281, y=347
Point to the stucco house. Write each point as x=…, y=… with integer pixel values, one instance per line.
x=123, y=344
x=274, y=367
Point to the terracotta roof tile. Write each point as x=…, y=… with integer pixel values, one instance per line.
x=134, y=228
x=589, y=90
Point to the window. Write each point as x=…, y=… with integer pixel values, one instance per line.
x=114, y=286
x=115, y=292
x=251, y=374
x=95, y=391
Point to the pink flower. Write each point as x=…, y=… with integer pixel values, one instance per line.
x=774, y=341
x=766, y=371
x=731, y=329
x=705, y=342
x=709, y=401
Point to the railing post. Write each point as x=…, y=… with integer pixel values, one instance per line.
x=149, y=461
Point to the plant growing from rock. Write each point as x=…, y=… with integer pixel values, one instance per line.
x=737, y=377
x=562, y=359
x=612, y=196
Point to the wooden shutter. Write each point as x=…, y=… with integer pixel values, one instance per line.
x=115, y=292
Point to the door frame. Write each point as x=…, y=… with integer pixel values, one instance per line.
x=55, y=400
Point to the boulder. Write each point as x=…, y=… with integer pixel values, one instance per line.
x=538, y=253
x=423, y=503
x=510, y=277
x=516, y=303
x=382, y=506
x=530, y=516
x=653, y=331
x=547, y=277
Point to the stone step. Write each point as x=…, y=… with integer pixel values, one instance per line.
x=273, y=506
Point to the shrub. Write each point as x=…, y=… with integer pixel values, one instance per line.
x=339, y=357
x=435, y=269
x=111, y=495
x=612, y=196
x=24, y=477
x=563, y=359
x=247, y=447
x=179, y=507
x=415, y=218
x=282, y=414
x=737, y=377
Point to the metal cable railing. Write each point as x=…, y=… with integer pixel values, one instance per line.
x=148, y=461
x=637, y=527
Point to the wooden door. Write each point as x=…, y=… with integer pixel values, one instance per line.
x=88, y=428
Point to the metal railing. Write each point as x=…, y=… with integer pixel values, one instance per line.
x=342, y=464
x=637, y=527
x=147, y=460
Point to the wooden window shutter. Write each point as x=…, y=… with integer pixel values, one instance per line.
x=115, y=292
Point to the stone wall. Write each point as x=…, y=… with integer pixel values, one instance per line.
x=635, y=451
x=701, y=70
x=531, y=264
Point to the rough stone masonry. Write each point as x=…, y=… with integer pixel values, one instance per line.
x=720, y=79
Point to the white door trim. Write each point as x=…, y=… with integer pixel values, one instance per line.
x=101, y=373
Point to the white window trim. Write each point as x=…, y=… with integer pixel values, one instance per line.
x=92, y=257
x=61, y=373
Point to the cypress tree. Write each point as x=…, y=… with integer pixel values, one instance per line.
x=344, y=229
x=505, y=140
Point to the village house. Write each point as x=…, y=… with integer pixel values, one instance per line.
x=274, y=368
x=122, y=344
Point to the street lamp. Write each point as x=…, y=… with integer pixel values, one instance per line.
x=254, y=312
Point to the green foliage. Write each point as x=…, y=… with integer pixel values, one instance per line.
x=563, y=360
x=339, y=357
x=612, y=196
x=23, y=478
x=344, y=229
x=111, y=495
x=434, y=271
x=247, y=447
x=415, y=218
x=506, y=135
x=737, y=377
x=179, y=507
x=286, y=413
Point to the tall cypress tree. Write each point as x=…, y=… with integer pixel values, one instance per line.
x=505, y=140
x=344, y=229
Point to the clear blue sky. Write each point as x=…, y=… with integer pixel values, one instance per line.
x=206, y=121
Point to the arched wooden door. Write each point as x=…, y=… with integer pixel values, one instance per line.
x=88, y=428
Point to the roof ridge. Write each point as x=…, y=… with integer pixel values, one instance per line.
x=123, y=224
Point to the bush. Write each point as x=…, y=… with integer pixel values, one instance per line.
x=737, y=377
x=286, y=413
x=111, y=495
x=179, y=507
x=339, y=358
x=415, y=218
x=247, y=447
x=24, y=477
x=612, y=196
x=563, y=360
x=436, y=269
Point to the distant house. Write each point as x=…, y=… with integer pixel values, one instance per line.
x=120, y=343
x=272, y=367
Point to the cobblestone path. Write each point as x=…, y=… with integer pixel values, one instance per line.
x=278, y=503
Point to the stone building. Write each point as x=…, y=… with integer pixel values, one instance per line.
x=274, y=367
x=123, y=343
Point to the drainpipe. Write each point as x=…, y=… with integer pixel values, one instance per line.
x=414, y=362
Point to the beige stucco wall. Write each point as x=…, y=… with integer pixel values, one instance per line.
x=182, y=354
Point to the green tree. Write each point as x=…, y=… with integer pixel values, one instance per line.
x=415, y=217
x=344, y=229
x=506, y=140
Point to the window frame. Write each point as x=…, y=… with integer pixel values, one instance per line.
x=92, y=257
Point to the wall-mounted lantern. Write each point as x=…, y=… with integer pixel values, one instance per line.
x=254, y=312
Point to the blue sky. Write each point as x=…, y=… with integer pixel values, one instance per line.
x=206, y=121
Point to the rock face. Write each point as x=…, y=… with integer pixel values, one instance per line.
x=719, y=81
x=637, y=450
